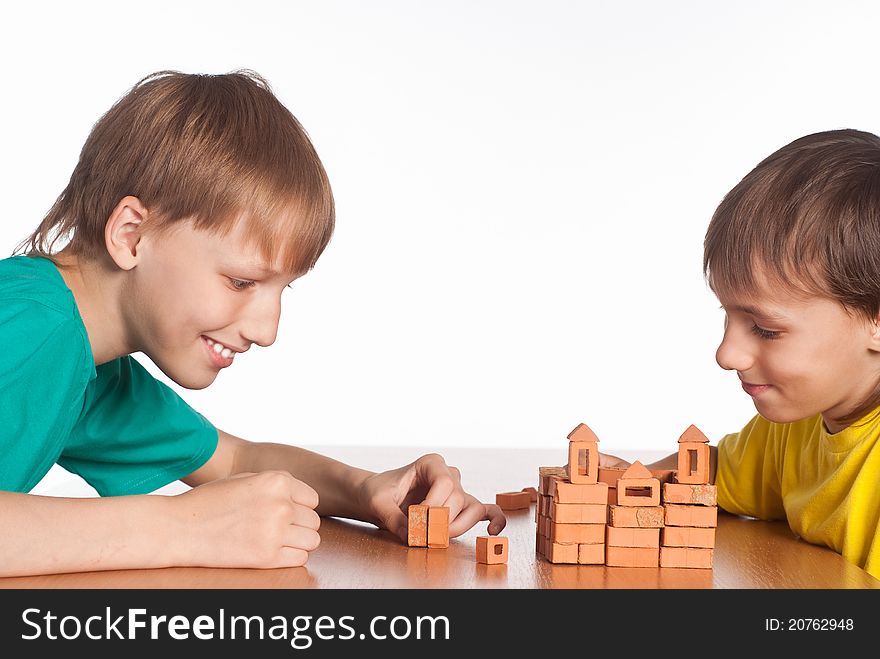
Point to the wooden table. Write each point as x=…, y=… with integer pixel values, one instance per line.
x=749, y=553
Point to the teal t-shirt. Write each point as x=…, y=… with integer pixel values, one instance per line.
x=115, y=425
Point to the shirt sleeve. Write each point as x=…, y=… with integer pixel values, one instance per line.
x=42, y=380
x=136, y=434
x=748, y=472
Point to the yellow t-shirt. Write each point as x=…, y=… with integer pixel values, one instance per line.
x=827, y=486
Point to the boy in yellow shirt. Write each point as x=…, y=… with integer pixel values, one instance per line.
x=793, y=255
x=196, y=200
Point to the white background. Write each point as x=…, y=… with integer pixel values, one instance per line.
x=522, y=192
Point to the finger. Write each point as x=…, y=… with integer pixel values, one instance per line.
x=475, y=512
x=432, y=470
x=300, y=537
x=303, y=494
x=496, y=518
x=392, y=518
x=456, y=502
x=291, y=557
x=305, y=517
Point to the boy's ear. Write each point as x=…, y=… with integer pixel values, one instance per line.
x=123, y=231
x=874, y=339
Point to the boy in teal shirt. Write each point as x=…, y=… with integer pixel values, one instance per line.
x=195, y=201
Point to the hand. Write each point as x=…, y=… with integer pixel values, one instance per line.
x=388, y=495
x=264, y=520
x=608, y=461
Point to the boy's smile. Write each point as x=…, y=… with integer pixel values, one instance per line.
x=203, y=289
x=798, y=356
x=188, y=299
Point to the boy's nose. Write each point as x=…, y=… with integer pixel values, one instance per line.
x=261, y=324
x=732, y=355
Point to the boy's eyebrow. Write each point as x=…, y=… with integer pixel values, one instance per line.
x=755, y=311
x=259, y=267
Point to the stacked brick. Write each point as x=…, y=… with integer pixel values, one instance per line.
x=634, y=522
x=691, y=510
x=630, y=517
x=572, y=506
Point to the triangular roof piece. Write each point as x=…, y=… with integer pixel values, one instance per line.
x=582, y=433
x=693, y=435
x=637, y=470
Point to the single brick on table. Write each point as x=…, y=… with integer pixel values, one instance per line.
x=491, y=550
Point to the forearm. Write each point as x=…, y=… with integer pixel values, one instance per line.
x=335, y=482
x=48, y=535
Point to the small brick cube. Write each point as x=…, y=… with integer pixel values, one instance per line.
x=491, y=549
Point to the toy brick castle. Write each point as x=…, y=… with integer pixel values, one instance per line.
x=635, y=517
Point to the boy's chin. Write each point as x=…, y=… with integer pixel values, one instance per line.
x=190, y=380
x=776, y=415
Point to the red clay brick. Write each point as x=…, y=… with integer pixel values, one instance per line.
x=545, y=474
x=565, y=492
x=578, y=513
x=632, y=556
x=491, y=549
x=682, y=515
x=578, y=534
x=583, y=462
x=591, y=554
x=610, y=476
x=693, y=457
x=438, y=526
x=558, y=553
x=688, y=536
x=533, y=493
x=620, y=536
x=664, y=475
x=638, y=492
x=417, y=525
x=694, y=494
x=513, y=500
x=690, y=557
x=636, y=516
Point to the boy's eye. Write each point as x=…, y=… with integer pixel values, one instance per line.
x=240, y=284
x=764, y=333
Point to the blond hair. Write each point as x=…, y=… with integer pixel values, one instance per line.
x=214, y=149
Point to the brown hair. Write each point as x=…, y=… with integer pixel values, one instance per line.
x=211, y=148
x=807, y=216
